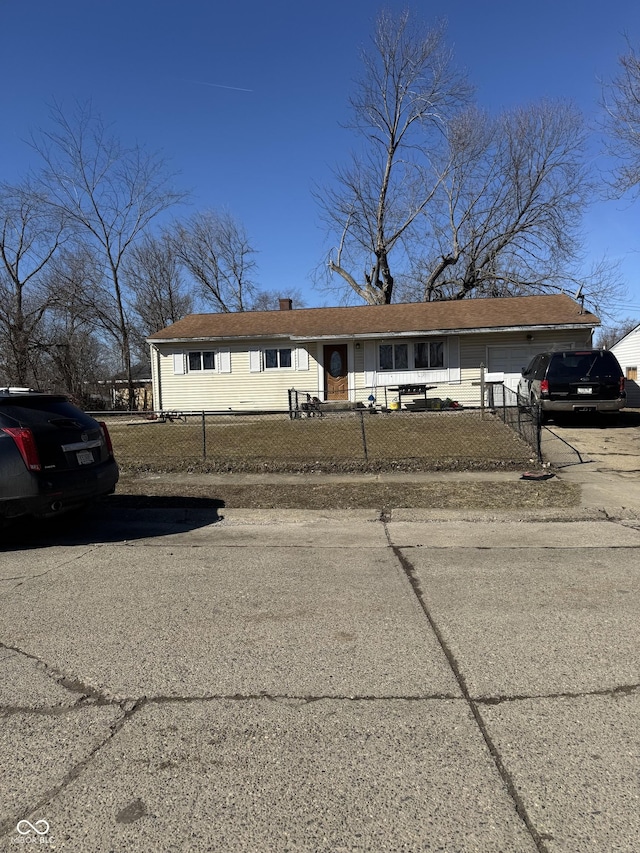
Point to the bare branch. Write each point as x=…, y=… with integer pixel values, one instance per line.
x=215, y=250
x=108, y=193
x=29, y=240
x=399, y=108
x=621, y=104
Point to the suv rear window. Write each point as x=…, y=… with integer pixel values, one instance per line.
x=34, y=410
x=574, y=366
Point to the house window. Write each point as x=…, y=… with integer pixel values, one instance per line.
x=274, y=358
x=394, y=356
x=632, y=374
x=428, y=354
x=423, y=355
x=201, y=360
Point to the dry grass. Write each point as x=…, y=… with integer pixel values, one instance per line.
x=394, y=441
x=487, y=496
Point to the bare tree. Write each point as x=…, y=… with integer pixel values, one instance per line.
x=74, y=358
x=81, y=333
x=109, y=193
x=621, y=102
x=506, y=215
x=467, y=204
x=215, y=251
x=269, y=300
x=29, y=240
x=609, y=335
x=401, y=106
x=158, y=293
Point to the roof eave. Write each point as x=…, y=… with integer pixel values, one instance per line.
x=476, y=330
x=481, y=330
x=224, y=338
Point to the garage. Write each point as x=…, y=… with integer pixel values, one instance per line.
x=511, y=359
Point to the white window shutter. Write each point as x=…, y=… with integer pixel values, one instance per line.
x=370, y=360
x=302, y=359
x=224, y=360
x=178, y=362
x=255, y=360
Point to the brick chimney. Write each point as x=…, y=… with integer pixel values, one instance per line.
x=286, y=304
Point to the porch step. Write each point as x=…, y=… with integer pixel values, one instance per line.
x=339, y=406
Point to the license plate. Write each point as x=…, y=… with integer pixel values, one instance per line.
x=84, y=457
x=585, y=390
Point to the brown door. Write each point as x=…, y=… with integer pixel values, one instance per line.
x=336, y=383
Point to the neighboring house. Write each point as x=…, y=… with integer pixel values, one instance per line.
x=115, y=392
x=249, y=360
x=141, y=400
x=627, y=351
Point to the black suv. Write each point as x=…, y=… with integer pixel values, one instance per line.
x=573, y=381
x=53, y=457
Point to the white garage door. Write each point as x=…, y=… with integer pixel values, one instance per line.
x=510, y=361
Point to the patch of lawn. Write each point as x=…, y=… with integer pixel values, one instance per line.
x=345, y=442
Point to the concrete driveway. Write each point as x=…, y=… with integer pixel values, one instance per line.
x=609, y=444
x=318, y=681
x=603, y=456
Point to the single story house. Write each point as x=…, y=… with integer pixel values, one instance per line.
x=627, y=351
x=250, y=360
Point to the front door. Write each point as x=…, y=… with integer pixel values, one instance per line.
x=336, y=382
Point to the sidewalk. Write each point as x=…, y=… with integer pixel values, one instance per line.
x=327, y=681
x=607, y=493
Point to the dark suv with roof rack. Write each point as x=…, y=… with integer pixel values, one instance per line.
x=580, y=381
x=53, y=456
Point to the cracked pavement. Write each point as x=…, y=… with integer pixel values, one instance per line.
x=323, y=681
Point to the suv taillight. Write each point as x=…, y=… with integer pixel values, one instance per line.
x=621, y=385
x=107, y=437
x=26, y=444
x=544, y=386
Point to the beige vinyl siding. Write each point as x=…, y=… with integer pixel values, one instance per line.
x=240, y=389
x=465, y=355
x=475, y=350
x=360, y=390
x=243, y=389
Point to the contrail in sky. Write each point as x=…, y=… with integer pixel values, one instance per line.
x=220, y=86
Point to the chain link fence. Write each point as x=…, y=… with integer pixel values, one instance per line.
x=525, y=420
x=320, y=438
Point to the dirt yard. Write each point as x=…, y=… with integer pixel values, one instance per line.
x=481, y=495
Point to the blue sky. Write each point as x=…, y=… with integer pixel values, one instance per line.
x=246, y=100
